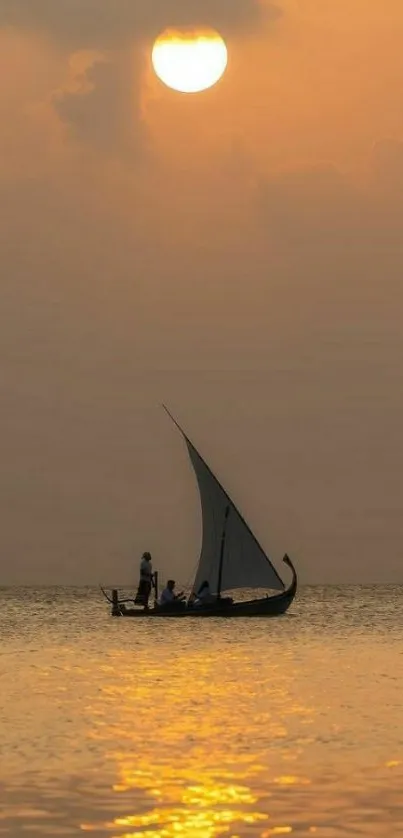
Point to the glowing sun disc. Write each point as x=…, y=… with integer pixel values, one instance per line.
x=189, y=61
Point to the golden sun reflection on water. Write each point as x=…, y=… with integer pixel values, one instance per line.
x=206, y=808
x=275, y=730
x=253, y=731
x=182, y=794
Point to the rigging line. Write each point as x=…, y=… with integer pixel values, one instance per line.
x=215, y=530
x=192, y=575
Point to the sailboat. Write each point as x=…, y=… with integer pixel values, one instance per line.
x=231, y=558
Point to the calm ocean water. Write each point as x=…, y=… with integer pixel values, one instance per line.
x=291, y=726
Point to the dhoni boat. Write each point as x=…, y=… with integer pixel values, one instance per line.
x=231, y=558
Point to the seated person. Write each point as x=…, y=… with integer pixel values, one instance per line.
x=168, y=596
x=204, y=595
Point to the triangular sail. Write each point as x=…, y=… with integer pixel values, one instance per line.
x=245, y=564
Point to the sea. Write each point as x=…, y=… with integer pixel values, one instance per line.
x=289, y=726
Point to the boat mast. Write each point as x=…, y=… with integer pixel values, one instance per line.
x=224, y=530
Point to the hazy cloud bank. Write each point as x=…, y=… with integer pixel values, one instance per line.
x=100, y=23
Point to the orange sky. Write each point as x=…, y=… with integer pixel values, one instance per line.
x=236, y=253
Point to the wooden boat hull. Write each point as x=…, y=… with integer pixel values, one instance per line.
x=267, y=606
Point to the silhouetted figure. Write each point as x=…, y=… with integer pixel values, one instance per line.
x=146, y=580
x=204, y=595
x=169, y=597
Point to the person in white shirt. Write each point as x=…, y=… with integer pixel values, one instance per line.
x=169, y=596
x=146, y=580
x=146, y=567
x=204, y=595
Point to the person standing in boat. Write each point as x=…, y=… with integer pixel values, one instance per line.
x=146, y=580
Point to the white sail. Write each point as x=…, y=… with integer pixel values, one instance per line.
x=245, y=564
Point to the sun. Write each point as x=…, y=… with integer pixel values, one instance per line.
x=189, y=60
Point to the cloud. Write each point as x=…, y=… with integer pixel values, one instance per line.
x=101, y=102
x=82, y=23
x=103, y=110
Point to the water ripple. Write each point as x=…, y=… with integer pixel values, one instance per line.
x=278, y=727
